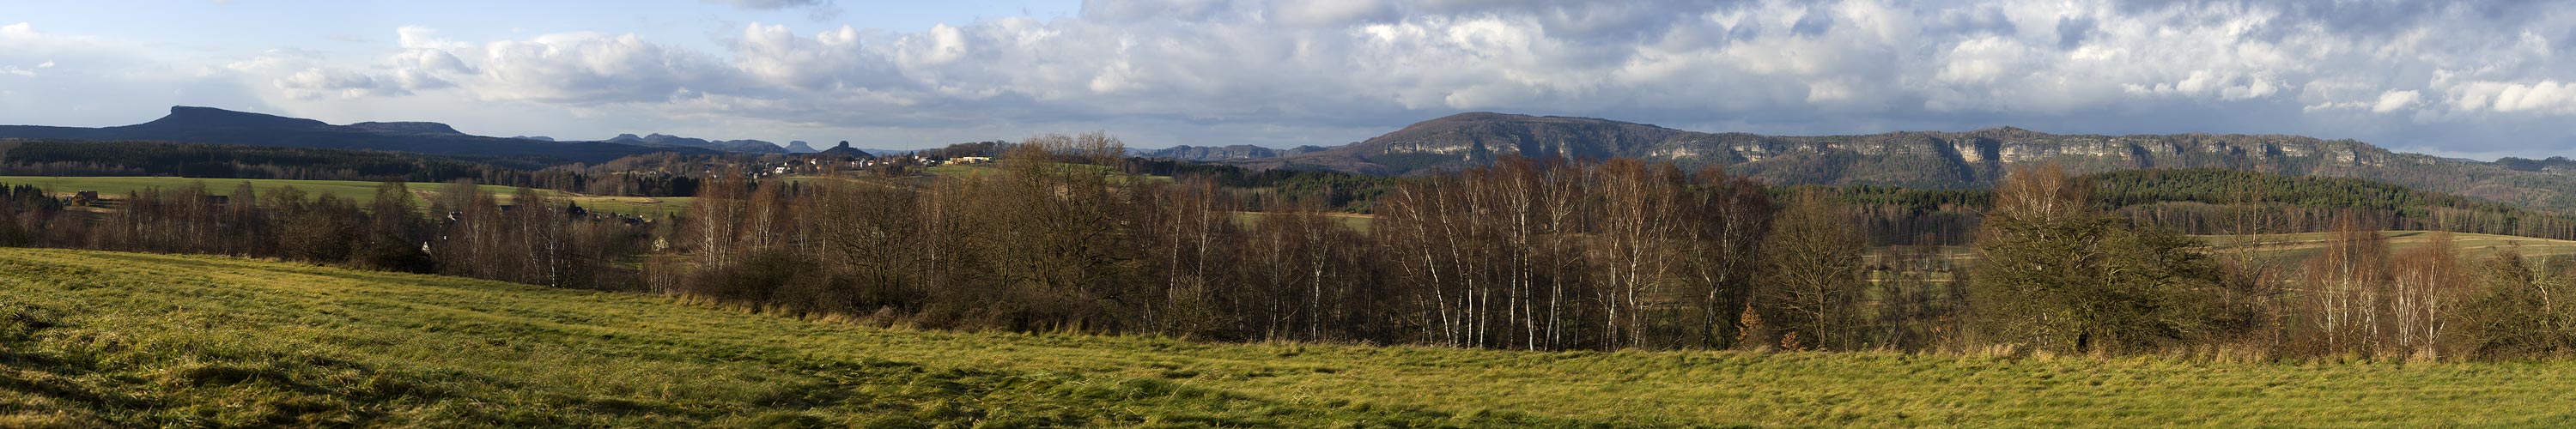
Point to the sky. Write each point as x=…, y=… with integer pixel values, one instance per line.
x=2464, y=79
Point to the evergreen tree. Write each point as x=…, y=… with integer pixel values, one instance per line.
x=2055, y=274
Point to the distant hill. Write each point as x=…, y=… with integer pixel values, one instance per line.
x=1971, y=159
x=665, y=140
x=799, y=146
x=218, y=126
x=407, y=127
x=844, y=149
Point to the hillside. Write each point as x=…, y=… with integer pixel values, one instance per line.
x=218, y=126
x=1971, y=159
x=1220, y=153
x=121, y=339
x=363, y=193
x=665, y=140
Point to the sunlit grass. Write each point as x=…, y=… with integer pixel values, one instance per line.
x=1357, y=222
x=2302, y=245
x=119, y=339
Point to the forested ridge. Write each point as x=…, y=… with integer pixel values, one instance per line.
x=2208, y=201
x=219, y=126
x=1067, y=234
x=1921, y=159
x=630, y=176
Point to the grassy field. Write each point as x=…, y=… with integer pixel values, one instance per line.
x=118, y=339
x=363, y=192
x=962, y=170
x=972, y=170
x=2298, y=247
x=2471, y=246
x=1357, y=222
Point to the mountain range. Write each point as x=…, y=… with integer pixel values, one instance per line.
x=665, y=140
x=218, y=126
x=1969, y=159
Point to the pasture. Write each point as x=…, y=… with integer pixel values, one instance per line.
x=93, y=339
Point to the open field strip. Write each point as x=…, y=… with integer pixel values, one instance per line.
x=363, y=193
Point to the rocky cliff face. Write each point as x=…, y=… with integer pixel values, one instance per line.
x=1915, y=159
x=1233, y=152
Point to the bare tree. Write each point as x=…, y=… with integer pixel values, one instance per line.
x=2344, y=286
x=1812, y=267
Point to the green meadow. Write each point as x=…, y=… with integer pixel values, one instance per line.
x=105, y=339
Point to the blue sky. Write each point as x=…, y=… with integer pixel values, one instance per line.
x=254, y=25
x=2480, y=79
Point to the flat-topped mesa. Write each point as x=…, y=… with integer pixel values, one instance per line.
x=1484, y=133
x=407, y=127
x=208, y=117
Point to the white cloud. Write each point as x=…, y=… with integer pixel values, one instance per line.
x=2393, y=100
x=78, y=80
x=1333, y=12
x=2546, y=97
x=1350, y=68
x=419, y=37
x=318, y=83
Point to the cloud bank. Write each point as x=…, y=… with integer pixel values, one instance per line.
x=2453, y=78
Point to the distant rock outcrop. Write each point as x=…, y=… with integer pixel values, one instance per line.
x=799, y=146
x=1215, y=153
x=1915, y=159
x=844, y=149
x=408, y=127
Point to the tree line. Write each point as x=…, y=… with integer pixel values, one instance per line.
x=1525, y=254
x=465, y=231
x=1552, y=255
x=2206, y=201
x=212, y=161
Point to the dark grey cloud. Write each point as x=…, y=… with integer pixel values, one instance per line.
x=2071, y=32
x=1813, y=23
